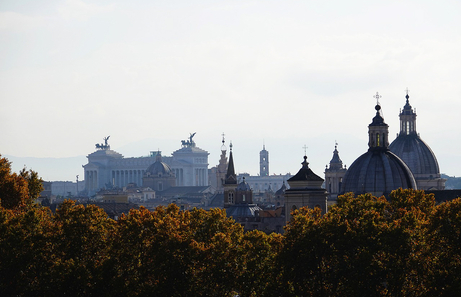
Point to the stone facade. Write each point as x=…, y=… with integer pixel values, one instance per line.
x=107, y=168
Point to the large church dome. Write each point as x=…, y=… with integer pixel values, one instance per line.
x=378, y=171
x=415, y=152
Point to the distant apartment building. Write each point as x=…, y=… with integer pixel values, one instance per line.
x=67, y=188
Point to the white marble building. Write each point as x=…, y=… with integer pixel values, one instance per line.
x=107, y=168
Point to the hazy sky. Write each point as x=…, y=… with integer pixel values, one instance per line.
x=282, y=73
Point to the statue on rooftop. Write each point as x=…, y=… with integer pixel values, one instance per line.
x=105, y=145
x=190, y=142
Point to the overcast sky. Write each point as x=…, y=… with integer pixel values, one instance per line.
x=280, y=73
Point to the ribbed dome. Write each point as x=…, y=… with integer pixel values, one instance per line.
x=159, y=168
x=416, y=154
x=378, y=172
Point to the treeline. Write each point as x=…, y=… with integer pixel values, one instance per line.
x=364, y=246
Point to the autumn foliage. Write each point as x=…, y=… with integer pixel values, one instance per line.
x=363, y=246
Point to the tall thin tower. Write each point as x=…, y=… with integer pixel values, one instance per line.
x=264, y=162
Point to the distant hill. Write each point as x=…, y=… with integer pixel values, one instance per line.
x=453, y=182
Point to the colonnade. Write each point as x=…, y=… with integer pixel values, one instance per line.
x=120, y=178
x=201, y=177
x=91, y=180
x=179, y=173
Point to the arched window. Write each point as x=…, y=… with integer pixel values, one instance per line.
x=230, y=197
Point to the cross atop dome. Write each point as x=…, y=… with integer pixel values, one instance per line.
x=305, y=150
x=223, y=146
x=407, y=96
x=377, y=96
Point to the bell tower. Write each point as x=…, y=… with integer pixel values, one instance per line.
x=264, y=162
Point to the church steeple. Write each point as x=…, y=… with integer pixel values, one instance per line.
x=378, y=130
x=407, y=119
x=336, y=162
x=230, y=183
x=221, y=169
x=334, y=175
x=231, y=178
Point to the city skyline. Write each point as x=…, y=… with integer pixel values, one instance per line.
x=281, y=74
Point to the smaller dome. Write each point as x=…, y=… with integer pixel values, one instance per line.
x=243, y=186
x=159, y=168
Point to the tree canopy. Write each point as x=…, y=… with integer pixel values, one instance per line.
x=364, y=246
x=18, y=190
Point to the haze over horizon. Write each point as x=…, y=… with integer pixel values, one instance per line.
x=283, y=74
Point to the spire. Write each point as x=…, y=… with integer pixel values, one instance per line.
x=231, y=178
x=336, y=162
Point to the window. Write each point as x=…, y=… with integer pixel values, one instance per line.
x=230, y=197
